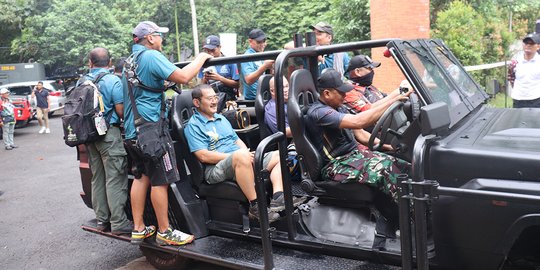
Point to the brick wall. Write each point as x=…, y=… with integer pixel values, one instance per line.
x=404, y=19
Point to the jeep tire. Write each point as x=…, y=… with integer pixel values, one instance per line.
x=164, y=260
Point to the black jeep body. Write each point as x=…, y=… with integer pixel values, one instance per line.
x=472, y=200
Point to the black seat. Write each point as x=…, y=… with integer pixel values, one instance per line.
x=302, y=94
x=262, y=97
x=182, y=109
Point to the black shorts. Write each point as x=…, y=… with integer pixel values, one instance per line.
x=160, y=173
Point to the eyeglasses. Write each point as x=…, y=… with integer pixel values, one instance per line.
x=157, y=34
x=209, y=50
x=211, y=98
x=262, y=41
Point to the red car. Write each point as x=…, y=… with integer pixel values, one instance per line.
x=23, y=112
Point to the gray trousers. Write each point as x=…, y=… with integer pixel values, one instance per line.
x=7, y=132
x=108, y=162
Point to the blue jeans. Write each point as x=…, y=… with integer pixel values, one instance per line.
x=8, y=130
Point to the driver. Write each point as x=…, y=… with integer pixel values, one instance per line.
x=333, y=130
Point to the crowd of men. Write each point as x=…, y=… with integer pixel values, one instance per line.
x=347, y=107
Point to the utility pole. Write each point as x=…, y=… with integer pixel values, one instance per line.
x=177, y=34
x=194, y=26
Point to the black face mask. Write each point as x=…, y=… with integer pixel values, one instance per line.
x=365, y=80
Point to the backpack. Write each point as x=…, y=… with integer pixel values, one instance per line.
x=83, y=120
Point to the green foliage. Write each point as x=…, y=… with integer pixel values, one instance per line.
x=282, y=19
x=239, y=18
x=60, y=33
x=350, y=20
x=477, y=33
x=83, y=25
x=455, y=25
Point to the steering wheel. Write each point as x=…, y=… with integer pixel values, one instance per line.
x=383, y=126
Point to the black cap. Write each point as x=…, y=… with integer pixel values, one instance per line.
x=257, y=34
x=330, y=78
x=532, y=37
x=359, y=61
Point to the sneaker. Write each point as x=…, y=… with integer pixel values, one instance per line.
x=41, y=130
x=47, y=131
x=173, y=237
x=138, y=237
x=253, y=213
x=103, y=226
x=127, y=229
x=14, y=146
x=278, y=204
x=9, y=147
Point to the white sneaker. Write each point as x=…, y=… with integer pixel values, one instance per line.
x=47, y=131
x=42, y=130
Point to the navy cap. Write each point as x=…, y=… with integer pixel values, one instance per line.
x=532, y=37
x=257, y=34
x=212, y=42
x=360, y=61
x=330, y=78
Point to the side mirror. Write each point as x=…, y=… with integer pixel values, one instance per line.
x=434, y=119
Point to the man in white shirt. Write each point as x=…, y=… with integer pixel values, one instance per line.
x=526, y=86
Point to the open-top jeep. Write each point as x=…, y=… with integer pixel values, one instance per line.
x=471, y=201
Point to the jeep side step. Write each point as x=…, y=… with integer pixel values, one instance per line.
x=241, y=254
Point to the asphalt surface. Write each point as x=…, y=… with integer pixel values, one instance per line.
x=41, y=211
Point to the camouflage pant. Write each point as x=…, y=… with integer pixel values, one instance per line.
x=372, y=168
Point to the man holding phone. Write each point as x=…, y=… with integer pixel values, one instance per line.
x=42, y=107
x=222, y=78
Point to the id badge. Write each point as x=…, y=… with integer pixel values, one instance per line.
x=101, y=125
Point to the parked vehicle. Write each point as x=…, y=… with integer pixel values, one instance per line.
x=471, y=201
x=23, y=112
x=23, y=90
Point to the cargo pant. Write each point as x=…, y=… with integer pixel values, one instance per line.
x=376, y=169
x=108, y=162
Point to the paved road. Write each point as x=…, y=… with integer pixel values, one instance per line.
x=41, y=211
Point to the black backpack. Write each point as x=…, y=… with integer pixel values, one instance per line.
x=80, y=111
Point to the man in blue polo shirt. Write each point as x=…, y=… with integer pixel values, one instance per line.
x=214, y=142
x=223, y=78
x=152, y=70
x=324, y=35
x=107, y=157
x=251, y=71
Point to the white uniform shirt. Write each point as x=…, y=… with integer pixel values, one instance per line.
x=527, y=83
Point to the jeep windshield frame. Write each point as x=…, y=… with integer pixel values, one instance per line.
x=438, y=76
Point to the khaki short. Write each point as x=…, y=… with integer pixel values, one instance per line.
x=223, y=170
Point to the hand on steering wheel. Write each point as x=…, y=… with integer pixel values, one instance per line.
x=383, y=126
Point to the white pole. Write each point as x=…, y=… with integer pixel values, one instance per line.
x=194, y=26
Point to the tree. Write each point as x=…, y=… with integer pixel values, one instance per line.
x=65, y=34
x=455, y=25
x=350, y=20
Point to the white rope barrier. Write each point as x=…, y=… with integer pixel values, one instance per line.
x=486, y=66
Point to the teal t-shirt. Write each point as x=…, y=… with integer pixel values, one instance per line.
x=153, y=69
x=213, y=135
x=250, y=90
x=111, y=91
